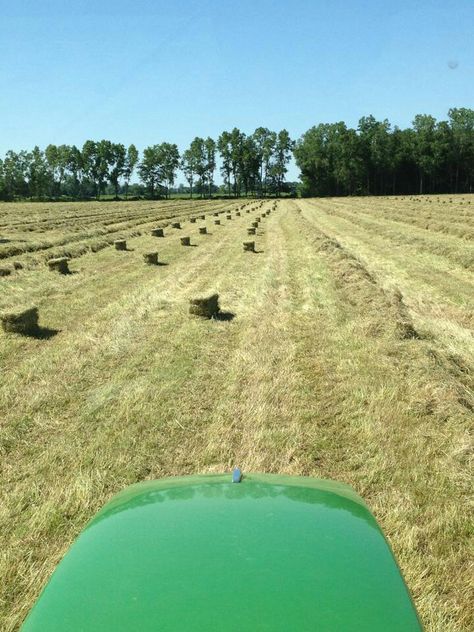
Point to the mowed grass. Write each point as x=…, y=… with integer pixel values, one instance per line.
x=349, y=356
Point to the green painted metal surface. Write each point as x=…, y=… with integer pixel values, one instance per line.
x=200, y=553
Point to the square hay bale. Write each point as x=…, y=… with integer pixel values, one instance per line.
x=217, y=222
x=5, y=272
x=251, y=231
x=60, y=265
x=18, y=265
x=254, y=224
x=206, y=307
x=193, y=220
x=249, y=246
x=237, y=213
x=151, y=258
x=157, y=232
x=176, y=225
x=202, y=230
x=203, y=217
x=23, y=322
x=216, y=214
x=185, y=241
x=120, y=244
x=228, y=216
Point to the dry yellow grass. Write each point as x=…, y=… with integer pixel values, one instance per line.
x=350, y=356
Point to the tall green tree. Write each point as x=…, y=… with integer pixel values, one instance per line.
x=237, y=139
x=281, y=157
x=198, y=151
x=265, y=142
x=374, y=152
x=225, y=150
x=15, y=174
x=131, y=161
x=461, y=121
x=169, y=158
x=188, y=166
x=249, y=170
x=150, y=168
x=40, y=177
x=424, y=140
x=210, y=159
x=116, y=158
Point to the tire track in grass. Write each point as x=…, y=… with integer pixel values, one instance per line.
x=253, y=424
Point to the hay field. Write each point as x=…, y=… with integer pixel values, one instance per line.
x=349, y=356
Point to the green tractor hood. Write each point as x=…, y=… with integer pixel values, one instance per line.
x=203, y=553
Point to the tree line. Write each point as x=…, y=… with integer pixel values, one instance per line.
x=378, y=159
x=249, y=164
x=375, y=159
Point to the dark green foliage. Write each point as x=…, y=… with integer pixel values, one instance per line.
x=430, y=157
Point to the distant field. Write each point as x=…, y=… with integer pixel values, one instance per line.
x=350, y=356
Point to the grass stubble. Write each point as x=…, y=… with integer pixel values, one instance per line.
x=345, y=360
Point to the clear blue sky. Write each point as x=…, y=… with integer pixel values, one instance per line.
x=148, y=71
